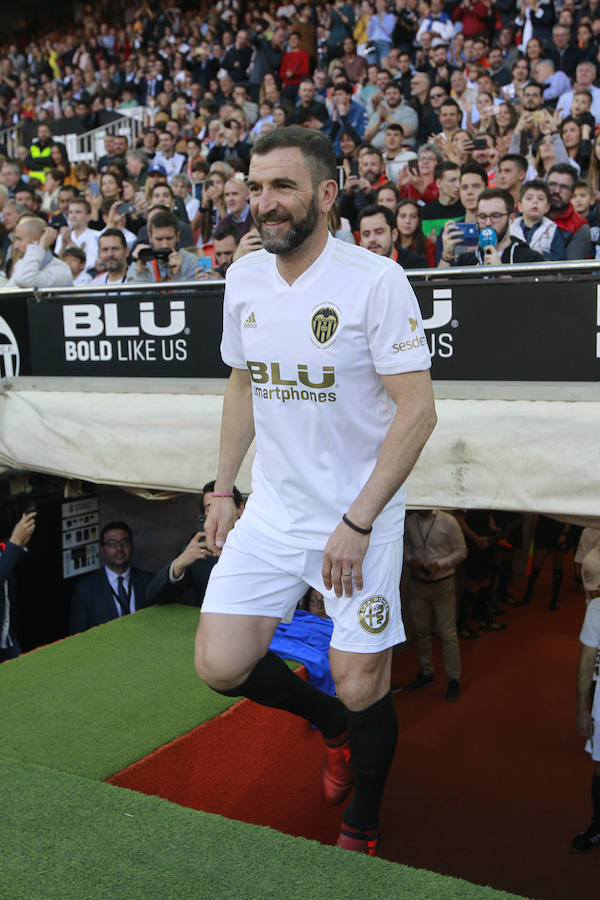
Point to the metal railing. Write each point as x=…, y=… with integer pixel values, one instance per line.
x=11, y=139
x=89, y=146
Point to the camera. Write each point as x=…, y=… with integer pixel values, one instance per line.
x=147, y=254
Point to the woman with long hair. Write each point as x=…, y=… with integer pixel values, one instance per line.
x=520, y=77
x=410, y=231
x=416, y=181
x=212, y=204
x=578, y=145
x=534, y=51
x=594, y=170
x=550, y=150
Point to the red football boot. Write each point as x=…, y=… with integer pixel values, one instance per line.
x=338, y=776
x=360, y=841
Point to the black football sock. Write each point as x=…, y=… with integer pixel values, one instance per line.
x=465, y=607
x=373, y=736
x=596, y=797
x=504, y=579
x=273, y=684
x=530, y=585
x=557, y=577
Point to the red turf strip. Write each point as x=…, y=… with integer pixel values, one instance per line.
x=491, y=788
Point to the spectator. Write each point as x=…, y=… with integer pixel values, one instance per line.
x=160, y=260
x=212, y=204
x=512, y=169
x=77, y=233
x=577, y=143
x=226, y=239
x=182, y=188
x=171, y=162
x=112, y=257
x=564, y=56
x=378, y=233
x=347, y=115
x=418, y=182
x=34, y=264
x=473, y=181
x=355, y=67
x=74, y=257
x=236, y=197
x=553, y=83
x=585, y=77
x=380, y=30
x=162, y=195
x=184, y=579
x=575, y=229
x=410, y=232
x=38, y=160
x=269, y=54
x=533, y=225
x=52, y=184
x=448, y=205
x=434, y=545
x=295, y=65
x=115, y=590
x=137, y=167
x=307, y=100
x=232, y=145
x=583, y=203
x=392, y=109
x=494, y=209
x=13, y=553
x=358, y=189
x=434, y=19
x=395, y=155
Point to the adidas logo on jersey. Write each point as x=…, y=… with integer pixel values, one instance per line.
x=250, y=322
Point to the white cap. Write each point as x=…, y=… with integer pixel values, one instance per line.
x=590, y=571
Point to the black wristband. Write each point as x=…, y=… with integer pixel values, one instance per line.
x=354, y=527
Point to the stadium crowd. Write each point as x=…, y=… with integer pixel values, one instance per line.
x=465, y=129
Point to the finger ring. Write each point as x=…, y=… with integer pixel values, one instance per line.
x=346, y=574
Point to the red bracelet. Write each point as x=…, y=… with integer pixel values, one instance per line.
x=222, y=495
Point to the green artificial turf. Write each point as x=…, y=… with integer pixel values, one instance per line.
x=69, y=837
x=101, y=700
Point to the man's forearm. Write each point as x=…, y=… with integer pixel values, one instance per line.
x=585, y=675
x=237, y=428
x=414, y=421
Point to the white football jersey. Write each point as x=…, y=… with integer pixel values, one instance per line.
x=315, y=351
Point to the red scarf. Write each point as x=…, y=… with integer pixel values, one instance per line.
x=569, y=220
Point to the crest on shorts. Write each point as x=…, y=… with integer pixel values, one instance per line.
x=324, y=323
x=374, y=615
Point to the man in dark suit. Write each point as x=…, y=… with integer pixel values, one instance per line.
x=11, y=555
x=184, y=579
x=116, y=589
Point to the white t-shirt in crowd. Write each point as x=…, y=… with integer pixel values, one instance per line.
x=315, y=351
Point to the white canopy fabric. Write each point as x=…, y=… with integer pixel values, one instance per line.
x=528, y=455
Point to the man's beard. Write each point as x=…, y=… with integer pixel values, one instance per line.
x=296, y=234
x=500, y=235
x=113, y=265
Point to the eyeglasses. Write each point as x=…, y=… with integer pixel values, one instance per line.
x=113, y=544
x=492, y=217
x=555, y=186
x=436, y=96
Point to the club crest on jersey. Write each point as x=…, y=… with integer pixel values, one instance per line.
x=374, y=615
x=324, y=324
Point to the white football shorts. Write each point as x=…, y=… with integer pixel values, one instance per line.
x=592, y=745
x=257, y=576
